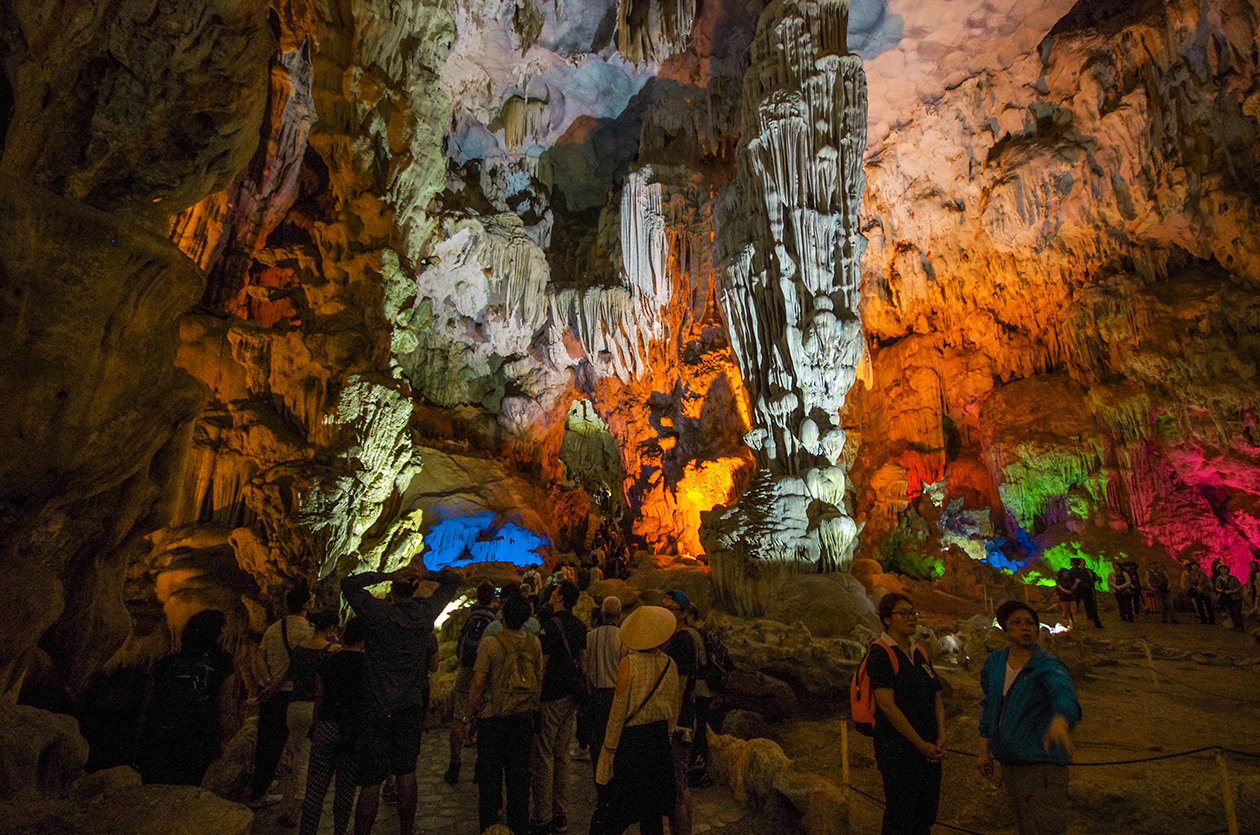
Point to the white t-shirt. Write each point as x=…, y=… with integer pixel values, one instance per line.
x=1010, y=678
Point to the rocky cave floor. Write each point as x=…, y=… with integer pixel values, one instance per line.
x=1208, y=695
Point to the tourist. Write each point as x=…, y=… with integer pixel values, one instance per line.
x=1157, y=581
x=532, y=626
x=604, y=651
x=1065, y=590
x=909, y=722
x=1229, y=594
x=533, y=578
x=1122, y=588
x=1198, y=589
x=683, y=649
x=179, y=736
x=308, y=655
x=1086, y=580
x=278, y=643
x=563, y=640
x=1027, y=713
x=395, y=683
x=338, y=708
x=634, y=771
x=503, y=700
x=481, y=616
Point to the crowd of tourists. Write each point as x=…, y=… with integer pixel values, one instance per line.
x=536, y=690
x=1203, y=593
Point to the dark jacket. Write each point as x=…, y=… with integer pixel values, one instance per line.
x=1015, y=723
x=396, y=668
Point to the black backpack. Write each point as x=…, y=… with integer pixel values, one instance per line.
x=718, y=666
x=470, y=638
x=188, y=689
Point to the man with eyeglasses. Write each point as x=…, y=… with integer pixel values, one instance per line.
x=1027, y=714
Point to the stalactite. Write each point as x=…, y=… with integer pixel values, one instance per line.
x=649, y=31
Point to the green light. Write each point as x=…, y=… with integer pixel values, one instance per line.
x=1061, y=556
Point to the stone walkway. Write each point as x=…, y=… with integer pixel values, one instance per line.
x=452, y=810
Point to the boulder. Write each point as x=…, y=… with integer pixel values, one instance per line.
x=829, y=605
x=41, y=753
x=814, y=805
x=759, y=693
x=745, y=724
x=134, y=810
x=748, y=767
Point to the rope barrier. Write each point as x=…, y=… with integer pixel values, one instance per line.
x=1153, y=758
x=1162, y=674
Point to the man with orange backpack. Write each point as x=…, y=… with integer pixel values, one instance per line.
x=896, y=698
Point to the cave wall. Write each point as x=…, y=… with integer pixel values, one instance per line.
x=120, y=118
x=293, y=285
x=1059, y=288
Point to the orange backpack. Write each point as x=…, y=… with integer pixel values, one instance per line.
x=862, y=696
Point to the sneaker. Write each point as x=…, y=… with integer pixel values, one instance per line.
x=264, y=801
x=452, y=775
x=559, y=824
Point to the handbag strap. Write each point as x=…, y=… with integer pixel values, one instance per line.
x=651, y=692
x=284, y=635
x=564, y=637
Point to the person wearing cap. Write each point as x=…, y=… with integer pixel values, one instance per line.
x=634, y=772
x=1027, y=714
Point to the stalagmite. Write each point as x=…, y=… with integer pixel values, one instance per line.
x=789, y=230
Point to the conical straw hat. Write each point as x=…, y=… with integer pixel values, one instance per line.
x=648, y=627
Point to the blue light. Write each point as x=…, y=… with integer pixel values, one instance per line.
x=463, y=539
x=996, y=558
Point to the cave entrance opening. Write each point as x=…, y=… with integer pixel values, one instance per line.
x=592, y=459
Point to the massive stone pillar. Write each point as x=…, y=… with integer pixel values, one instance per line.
x=790, y=248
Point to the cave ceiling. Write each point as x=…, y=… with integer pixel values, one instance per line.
x=296, y=289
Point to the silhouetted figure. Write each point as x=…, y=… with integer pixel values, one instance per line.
x=1086, y=579
x=180, y=735
x=1230, y=594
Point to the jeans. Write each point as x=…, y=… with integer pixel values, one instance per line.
x=273, y=732
x=503, y=753
x=553, y=759
x=1039, y=797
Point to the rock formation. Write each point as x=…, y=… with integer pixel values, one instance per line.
x=300, y=289
x=789, y=225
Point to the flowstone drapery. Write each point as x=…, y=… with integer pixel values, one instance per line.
x=789, y=232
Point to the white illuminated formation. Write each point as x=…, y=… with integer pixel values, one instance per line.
x=789, y=232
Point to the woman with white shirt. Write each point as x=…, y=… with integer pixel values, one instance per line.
x=635, y=766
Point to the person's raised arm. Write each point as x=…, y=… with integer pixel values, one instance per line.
x=354, y=589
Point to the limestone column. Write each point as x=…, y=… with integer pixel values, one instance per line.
x=790, y=289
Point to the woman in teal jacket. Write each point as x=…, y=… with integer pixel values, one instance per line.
x=1026, y=718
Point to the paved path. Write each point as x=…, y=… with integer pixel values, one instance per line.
x=452, y=810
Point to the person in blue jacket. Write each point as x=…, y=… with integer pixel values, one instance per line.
x=1027, y=714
